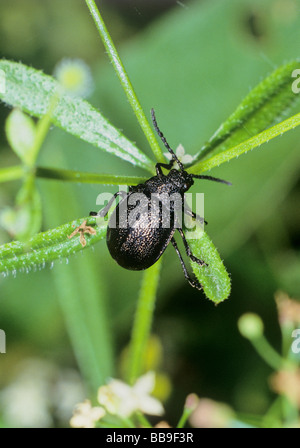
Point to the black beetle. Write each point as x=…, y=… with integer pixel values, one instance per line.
x=138, y=244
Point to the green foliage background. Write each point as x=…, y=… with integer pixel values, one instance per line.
x=194, y=64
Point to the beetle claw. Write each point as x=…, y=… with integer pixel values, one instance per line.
x=198, y=261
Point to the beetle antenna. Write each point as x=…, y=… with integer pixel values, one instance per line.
x=215, y=179
x=163, y=138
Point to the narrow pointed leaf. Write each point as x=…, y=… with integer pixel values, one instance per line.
x=214, y=277
x=264, y=137
x=265, y=104
x=31, y=91
x=47, y=247
x=89, y=178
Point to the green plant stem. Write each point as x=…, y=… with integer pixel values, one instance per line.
x=289, y=410
x=102, y=424
x=11, y=173
x=286, y=331
x=246, y=146
x=281, y=409
x=42, y=128
x=124, y=79
x=273, y=414
x=143, y=420
x=84, y=177
x=268, y=354
x=183, y=419
x=142, y=322
x=127, y=422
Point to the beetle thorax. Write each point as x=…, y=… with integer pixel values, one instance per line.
x=181, y=180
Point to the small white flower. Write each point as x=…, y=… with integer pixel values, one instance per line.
x=85, y=415
x=108, y=397
x=75, y=77
x=121, y=399
x=180, y=153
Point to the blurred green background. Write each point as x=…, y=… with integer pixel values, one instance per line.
x=193, y=61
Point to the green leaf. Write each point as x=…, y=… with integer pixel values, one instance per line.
x=265, y=104
x=11, y=173
x=31, y=90
x=214, y=277
x=90, y=178
x=20, y=132
x=81, y=292
x=47, y=246
x=264, y=137
x=124, y=79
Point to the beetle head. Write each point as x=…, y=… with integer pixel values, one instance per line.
x=181, y=179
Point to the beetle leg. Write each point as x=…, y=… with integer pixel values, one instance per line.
x=193, y=215
x=163, y=138
x=189, y=252
x=103, y=212
x=159, y=166
x=193, y=283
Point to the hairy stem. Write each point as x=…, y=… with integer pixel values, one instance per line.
x=124, y=80
x=143, y=320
